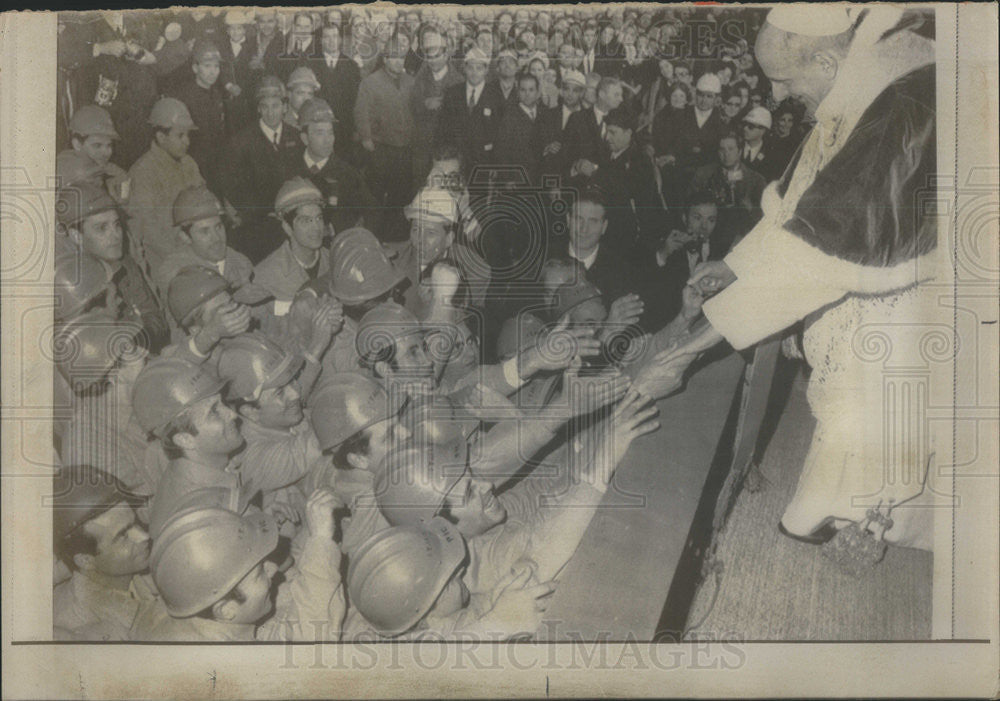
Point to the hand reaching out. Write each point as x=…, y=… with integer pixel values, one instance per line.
x=712, y=277
x=319, y=513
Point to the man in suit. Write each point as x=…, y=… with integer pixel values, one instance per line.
x=628, y=182
x=756, y=155
x=696, y=133
x=300, y=47
x=506, y=76
x=736, y=187
x=339, y=78
x=268, y=45
x=343, y=189
x=606, y=265
x=553, y=126
x=432, y=80
x=666, y=265
x=519, y=137
x=253, y=170
x=236, y=76
x=470, y=113
x=585, y=130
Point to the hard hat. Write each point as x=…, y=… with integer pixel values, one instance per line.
x=315, y=110
x=397, y=574
x=170, y=113
x=73, y=167
x=381, y=327
x=78, y=279
x=195, y=203
x=759, y=116
x=270, y=86
x=709, y=82
x=539, y=55
x=360, y=269
x=412, y=483
x=303, y=75
x=205, y=50
x=344, y=404
x=92, y=120
x=80, y=199
x=239, y=17
x=190, y=288
x=203, y=552
x=574, y=294
x=433, y=204
x=294, y=193
x=89, y=345
x=507, y=53
x=168, y=386
x=80, y=493
x=572, y=77
x=438, y=419
x=251, y=363
x=475, y=54
x=518, y=333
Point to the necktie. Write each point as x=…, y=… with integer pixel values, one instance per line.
x=314, y=169
x=277, y=141
x=472, y=98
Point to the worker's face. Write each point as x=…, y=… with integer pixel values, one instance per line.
x=589, y=314
x=729, y=153
x=319, y=139
x=506, y=67
x=299, y=94
x=175, y=141
x=784, y=125
x=452, y=599
x=589, y=37
x=527, y=92
x=236, y=32
x=411, y=360
x=475, y=72
x=571, y=94
x=610, y=97
x=683, y=74
x=705, y=100
x=267, y=24
x=308, y=227
x=331, y=39
x=731, y=107
x=101, y=236
x=256, y=590
x=618, y=138
x=431, y=239
x=666, y=69
x=587, y=224
x=206, y=72
x=382, y=437
x=537, y=69
x=434, y=51
x=753, y=133
x=567, y=56
x=303, y=26
x=208, y=239
x=96, y=146
x=485, y=42
x=122, y=544
x=678, y=99
x=473, y=506
x=271, y=111
x=701, y=220
x=280, y=407
x=464, y=356
x=218, y=430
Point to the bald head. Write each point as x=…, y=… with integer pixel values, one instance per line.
x=804, y=67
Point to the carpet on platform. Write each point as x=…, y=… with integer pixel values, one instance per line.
x=766, y=586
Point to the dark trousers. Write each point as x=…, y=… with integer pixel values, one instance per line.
x=390, y=178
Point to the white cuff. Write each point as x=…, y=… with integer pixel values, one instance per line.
x=510, y=374
x=193, y=347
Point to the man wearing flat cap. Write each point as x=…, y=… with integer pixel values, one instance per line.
x=847, y=241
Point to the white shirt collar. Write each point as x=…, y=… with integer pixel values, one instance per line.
x=310, y=162
x=221, y=267
x=331, y=58
x=600, y=115
x=701, y=117
x=270, y=133
x=439, y=75
x=533, y=112
x=589, y=260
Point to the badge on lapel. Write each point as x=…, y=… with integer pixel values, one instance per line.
x=487, y=112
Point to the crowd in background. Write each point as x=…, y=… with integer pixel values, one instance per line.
x=296, y=218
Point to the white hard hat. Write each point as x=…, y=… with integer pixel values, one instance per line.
x=709, y=82
x=759, y=116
